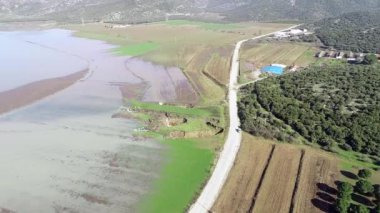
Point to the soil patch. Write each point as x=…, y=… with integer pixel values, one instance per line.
x=30, y=93
x=316, y=171
x=276, y=192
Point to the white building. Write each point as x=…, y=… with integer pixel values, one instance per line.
x=296, y=32
x=281, y=35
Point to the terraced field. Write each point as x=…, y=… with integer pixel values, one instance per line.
x=278, y=52
x=270, y=177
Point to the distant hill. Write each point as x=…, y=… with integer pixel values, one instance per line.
x=262, y=10
x=358, y=32
x=93, y=10
x=146, y=10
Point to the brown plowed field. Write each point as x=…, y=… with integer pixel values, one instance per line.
x=263, y=181
x=276, y=191
x=240, y=187
x=317, y=170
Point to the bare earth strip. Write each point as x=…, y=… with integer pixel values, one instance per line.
x=244, y=178
x=276, y=192
x=317, y=171
x=30, y=93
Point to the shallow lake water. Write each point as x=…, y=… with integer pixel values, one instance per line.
x=66, y=153
x=23, y=61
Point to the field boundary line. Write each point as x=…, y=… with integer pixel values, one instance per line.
x=295, y=190
x=219, y=84
x=193, y=84
x=262, y=178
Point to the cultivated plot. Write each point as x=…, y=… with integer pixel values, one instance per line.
x=270, y=177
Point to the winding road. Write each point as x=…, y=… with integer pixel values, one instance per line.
x=227, y=157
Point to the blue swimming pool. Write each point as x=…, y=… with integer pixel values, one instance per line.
x=273, y=69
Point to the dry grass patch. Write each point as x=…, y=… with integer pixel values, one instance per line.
x=218, y=66
x=277, y=52
x=279, y=181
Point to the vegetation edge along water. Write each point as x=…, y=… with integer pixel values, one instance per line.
x=188, y=165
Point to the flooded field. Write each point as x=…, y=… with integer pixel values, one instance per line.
x=162, y=84
x=65, y=153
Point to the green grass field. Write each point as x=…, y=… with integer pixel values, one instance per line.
x=136, y=49
x=197, y=112
x=186, y=169
x=203, y=25
x=191, y=125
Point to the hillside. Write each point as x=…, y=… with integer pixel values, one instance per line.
x=144, y=10
x=358, y=32
x=260, y=10
x=93, y=10
x=330, y=105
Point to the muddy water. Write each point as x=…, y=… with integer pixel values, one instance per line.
x=65, y=153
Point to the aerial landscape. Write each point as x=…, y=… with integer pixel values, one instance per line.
x=190, y=106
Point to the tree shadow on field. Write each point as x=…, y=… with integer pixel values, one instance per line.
x=326, y=188
x=326, y=197
x=325, y=200
x=349, y=175
x=361, y=199
x=322, y=205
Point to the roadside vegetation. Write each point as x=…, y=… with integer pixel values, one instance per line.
x=334, y=105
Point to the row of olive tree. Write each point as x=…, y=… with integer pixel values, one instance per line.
x=364, y=187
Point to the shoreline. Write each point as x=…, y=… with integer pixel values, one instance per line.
x=30, y=93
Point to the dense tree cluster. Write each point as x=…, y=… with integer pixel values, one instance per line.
x=334, y=104
x=363, y=187
x=358, y=32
